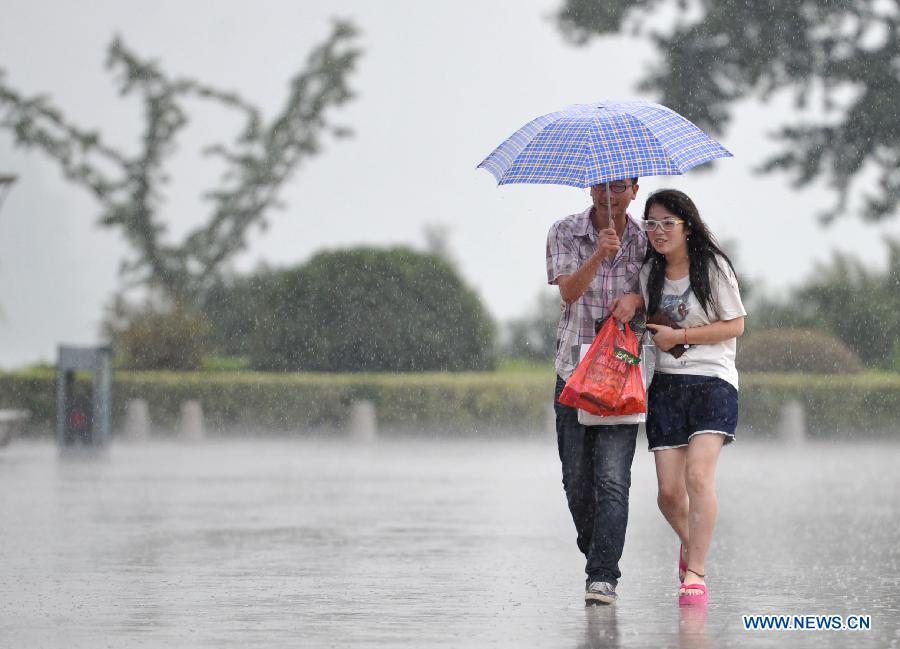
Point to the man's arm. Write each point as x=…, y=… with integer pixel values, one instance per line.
x=625, y=306
x=632, y=300
x=572, y=287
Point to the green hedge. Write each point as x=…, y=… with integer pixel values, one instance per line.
x=473, y=403
x=438, y=402
x=835, y=404
x=796, y=350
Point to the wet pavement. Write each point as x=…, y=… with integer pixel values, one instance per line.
x=421, y=543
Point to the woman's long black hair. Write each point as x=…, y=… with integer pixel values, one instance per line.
x=702, y=251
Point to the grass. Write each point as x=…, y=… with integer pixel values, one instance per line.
x=226, y=363
x=525, y=366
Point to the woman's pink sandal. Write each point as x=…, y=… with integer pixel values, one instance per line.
x=694, y=600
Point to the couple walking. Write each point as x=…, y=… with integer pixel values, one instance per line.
x=678, y=269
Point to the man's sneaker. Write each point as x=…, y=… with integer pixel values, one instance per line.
x=600, y=592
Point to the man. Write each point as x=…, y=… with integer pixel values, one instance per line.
x=597, y=270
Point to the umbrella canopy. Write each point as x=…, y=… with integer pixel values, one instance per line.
x=588, y=144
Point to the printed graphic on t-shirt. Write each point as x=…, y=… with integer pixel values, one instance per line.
x=676, y=306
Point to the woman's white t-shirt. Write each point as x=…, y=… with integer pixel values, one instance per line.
x=680, y=304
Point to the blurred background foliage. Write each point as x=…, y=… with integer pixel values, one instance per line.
x=503, y=402
x=368, y=309
x=796, y=350
x=157, y=335
x=857, y=305
x=354, y=310
x=837, y=58
x=131, y=187
x=401, y=310
x=398, y=310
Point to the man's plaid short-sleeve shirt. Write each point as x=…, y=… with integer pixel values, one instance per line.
x=570, y=242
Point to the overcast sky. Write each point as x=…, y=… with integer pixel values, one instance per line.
x=440, y=84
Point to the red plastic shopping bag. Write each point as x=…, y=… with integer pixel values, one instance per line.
x=607, y=381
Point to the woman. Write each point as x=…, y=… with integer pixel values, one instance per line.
x=689, y=283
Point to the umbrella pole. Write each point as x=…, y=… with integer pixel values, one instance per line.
x=609, y=207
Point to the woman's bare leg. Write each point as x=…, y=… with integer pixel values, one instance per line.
x=672, y=496
x=700, y=480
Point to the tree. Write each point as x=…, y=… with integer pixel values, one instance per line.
x=233, y=304
x=856, y=304
x=367, y=309
x=718, y=52
x=533, y=336
x=129, y=187
x=157, y=336
x=784, y=349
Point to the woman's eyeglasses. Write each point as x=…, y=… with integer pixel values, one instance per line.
x=650, y=225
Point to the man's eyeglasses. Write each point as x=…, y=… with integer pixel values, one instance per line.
x=650, y=225
x=616, y=187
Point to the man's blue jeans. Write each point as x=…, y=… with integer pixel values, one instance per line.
x=596, y=472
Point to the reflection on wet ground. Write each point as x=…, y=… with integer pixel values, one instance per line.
x=283, y=543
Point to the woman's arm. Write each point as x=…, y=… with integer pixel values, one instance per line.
x=666, y=337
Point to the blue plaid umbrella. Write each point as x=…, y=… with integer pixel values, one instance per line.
x=589, y=144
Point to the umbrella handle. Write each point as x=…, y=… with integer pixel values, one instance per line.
x=609, y=206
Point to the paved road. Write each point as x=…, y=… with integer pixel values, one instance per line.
x=420, y=543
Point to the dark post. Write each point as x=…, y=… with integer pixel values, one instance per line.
x=83, y=419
